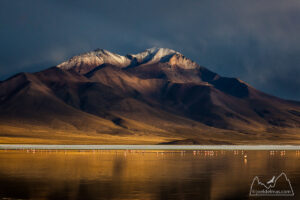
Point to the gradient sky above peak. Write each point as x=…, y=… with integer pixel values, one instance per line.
x=257, y=41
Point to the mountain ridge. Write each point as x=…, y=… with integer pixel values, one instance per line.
x=149, y=56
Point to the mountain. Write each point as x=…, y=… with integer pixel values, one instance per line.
x=156, y=96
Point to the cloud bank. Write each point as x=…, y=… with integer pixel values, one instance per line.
x=257, y=41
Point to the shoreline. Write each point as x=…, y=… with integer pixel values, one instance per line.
x=147, y=147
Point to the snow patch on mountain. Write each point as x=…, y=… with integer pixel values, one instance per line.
x=152, y=55
x=94, y=59
x=86, y=62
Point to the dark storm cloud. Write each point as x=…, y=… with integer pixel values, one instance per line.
x=257, y=41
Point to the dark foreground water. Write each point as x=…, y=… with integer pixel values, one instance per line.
x=123, y=174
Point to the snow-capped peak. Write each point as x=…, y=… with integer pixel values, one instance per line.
x=84, y=62
x=152, y=55
x=164, y=55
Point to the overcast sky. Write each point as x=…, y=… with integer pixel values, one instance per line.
x=256, y=41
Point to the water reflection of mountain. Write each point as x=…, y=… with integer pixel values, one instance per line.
x=116, y=175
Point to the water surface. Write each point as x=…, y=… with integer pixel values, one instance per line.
x=140, y=174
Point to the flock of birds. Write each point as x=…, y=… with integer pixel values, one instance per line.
x=241, y=153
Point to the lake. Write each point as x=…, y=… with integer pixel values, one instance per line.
x=142, y=174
